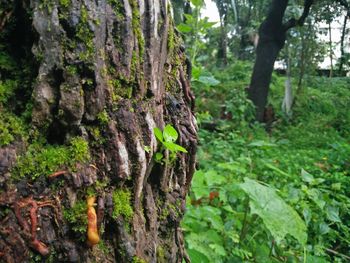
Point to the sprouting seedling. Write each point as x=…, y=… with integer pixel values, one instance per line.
x=168, y=138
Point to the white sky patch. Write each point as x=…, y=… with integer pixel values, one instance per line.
x=211, y=11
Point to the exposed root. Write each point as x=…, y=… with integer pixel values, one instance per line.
x=56, y=174
x=34, y=242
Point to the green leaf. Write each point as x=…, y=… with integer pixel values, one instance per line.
x=279, y=218
x=158, y=133
x=314, y=259
x=198, y=185
x=183, y=28
x=213, y=178
x=197, y=257
x=173, y=147
x=306, y=177
x=261, y=143
x=197, y=3
x=170, y=134
x=220, y=250
x=189, y=18
x=158, y=157
x=208, y=80
x=147, y=149
x=333, y=214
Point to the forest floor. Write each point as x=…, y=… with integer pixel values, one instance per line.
x=280, y=195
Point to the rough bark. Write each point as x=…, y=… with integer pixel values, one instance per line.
x=107, y=71
x=272, y=36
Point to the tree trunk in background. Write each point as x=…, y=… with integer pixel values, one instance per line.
x=342, y=53
x=330, y=49
x=108, y=71
x=301, y=61
x=222, y=50
x=272, y=36
x=288, y=91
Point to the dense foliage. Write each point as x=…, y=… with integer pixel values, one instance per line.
x=271, y=196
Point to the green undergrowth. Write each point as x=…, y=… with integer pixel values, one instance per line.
x=277, y=196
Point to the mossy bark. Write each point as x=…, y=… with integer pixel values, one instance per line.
x=108, y=72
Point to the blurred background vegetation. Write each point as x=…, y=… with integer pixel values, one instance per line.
x=276, y=191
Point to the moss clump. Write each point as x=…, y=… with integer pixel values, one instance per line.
x=10, y=128
x=86, y=36
x=136, y=259
x=160, y=254
x=41, y=159
x=120, y=90
x=122, y=204
x=65, y=3
x=171, y=38
x=136, y=25
x=79, y=150
x=103, y=118
x=77, y=217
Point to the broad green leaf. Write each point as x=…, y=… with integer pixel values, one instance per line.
x=220, y=250
x=333, y=214
x=170, y=134
x=197, y=3
x=196, y=72
x=323, y=228
x=279, y=218
x=189, y=18
x=213, y=178
x=208, y=80
x=316, y=196
x=180, y=148
x=174, y=147
x=197, y=257
x=158, y=133
x=307, y=177
x=183, y=28
x=198, y=185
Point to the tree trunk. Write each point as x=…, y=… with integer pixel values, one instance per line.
x=342, y=52
x=101, y=76
x=271, y=40
x=272, y=35
x=222, y=50
x=288, y=91
x=330, y=49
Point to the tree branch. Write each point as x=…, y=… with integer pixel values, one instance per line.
x=345, y=4
x=293, y=22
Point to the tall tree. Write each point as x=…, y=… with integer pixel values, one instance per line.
x=84, y=185
x=272, y=36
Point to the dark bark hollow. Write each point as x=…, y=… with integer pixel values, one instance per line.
x=109, y=71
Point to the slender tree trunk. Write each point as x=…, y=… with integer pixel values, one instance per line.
x=342, y=52
x=108, y=72
x=301, y=62
x=222, y=52
x=330, y=49
x=288, y=92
